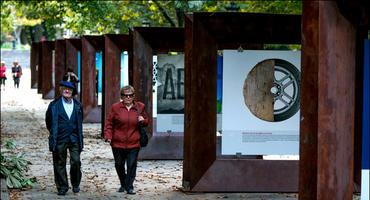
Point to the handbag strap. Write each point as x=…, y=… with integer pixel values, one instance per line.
x=138, y=109
x=138, y=112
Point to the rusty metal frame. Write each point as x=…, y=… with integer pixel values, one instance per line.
x=45, y=73
x=73, y=45
x=146, y=42
x=60, y=63
x=66, y=52
x=203, y=171
x=89, y=46
x=39, y=68
x=330, y=134
x=34, y=62
x=114, y=46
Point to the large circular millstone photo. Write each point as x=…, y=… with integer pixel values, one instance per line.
x=271, y=90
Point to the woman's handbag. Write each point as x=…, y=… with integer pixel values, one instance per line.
x=143, y=135
x=143, y=132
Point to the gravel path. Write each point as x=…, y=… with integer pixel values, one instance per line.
x=22, y=119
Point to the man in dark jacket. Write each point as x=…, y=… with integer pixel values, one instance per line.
x=64, y=122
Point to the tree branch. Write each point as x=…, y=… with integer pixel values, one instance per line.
x=164, y=13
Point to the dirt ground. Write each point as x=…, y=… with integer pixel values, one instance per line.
x=22, y=119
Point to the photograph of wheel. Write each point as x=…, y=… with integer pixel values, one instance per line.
x=271, y=90
x=286, y=90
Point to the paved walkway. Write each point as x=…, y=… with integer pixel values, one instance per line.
x=22, y=118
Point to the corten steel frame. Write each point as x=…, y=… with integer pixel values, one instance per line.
x=45, y=80
x=114, y=46
x=148, y=41
x=90, y=45
x=39, y=68
x=60, y=63
x=34, y=62
x=205, y=33
x=66, y=52
x=357, y=12
x=330, y=148
x=73, y=46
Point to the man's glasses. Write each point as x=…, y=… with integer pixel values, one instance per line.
x=128, y=95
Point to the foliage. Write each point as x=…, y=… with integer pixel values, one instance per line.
x=13, y=167
x=276, y=7
x=282, y=47
x=6, y=21
x=52, y=19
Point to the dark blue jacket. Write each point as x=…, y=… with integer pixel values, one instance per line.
x=51, y=119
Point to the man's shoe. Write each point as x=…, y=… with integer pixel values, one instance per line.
x=130, y=191
x=76, y=189
x=62, y=192
x=121, y=189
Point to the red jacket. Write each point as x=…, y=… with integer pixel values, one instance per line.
x=121, y=126
x=2, y=72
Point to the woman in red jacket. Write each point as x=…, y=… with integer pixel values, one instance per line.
x=2, y=74
x=121, y=131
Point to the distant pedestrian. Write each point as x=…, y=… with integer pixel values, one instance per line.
x=2, y=75
x=64, y=122
x=73, y=78
x=17, y=73
x=122, y=132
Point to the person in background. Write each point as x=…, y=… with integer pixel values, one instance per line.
x=121, y=131
x=2, y=75
x=17, y=73
x=64, y=121
x=71, y=77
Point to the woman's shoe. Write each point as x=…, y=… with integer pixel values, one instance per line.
x=121, y=189
x=130, y=191
x=62, y=192
x=76, y=189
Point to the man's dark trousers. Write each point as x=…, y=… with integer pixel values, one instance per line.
x=60, y=161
